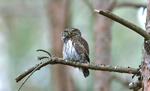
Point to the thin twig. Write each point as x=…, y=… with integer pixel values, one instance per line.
x=25, y=73
x=124, y=22
x=29, y=76
x=100, y=67
x=41, y=50
x=43, y=57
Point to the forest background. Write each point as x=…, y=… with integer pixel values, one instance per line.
x=28, y=25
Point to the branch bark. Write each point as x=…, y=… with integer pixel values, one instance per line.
x=146, y=55
x=124, y=22
x=99, y=67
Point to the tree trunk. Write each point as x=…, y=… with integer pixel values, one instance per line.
x=57, y=10
x=146, y=55
x=102, y=47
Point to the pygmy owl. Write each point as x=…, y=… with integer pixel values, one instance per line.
x=75, y=48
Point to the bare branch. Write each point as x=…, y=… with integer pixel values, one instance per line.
x=28, y=77
x=26, y=73
x=145, y=63
x=41, y=50
x=100, y=67
x=124, y=22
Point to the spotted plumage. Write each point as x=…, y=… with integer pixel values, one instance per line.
x=75, y=47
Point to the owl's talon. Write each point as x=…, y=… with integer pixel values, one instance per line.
x=44, y=52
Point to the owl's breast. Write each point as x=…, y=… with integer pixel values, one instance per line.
x=69, y=52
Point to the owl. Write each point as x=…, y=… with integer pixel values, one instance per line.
x=75, y=48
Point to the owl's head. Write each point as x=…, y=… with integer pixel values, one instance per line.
x=70, y=32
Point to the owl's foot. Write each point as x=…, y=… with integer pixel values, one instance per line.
x=43, y=57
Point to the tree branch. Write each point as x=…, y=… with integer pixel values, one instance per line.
x=124, y=22
x=100, y=67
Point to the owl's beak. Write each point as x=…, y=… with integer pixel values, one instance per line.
x=69, y=33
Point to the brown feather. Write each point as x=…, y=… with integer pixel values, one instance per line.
x=81, y=46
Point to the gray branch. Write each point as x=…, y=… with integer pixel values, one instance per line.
x=124, y=22
x=99, y=67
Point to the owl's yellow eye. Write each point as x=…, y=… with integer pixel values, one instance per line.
x=69, y=33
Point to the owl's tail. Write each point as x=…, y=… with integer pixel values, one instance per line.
x=85, y=72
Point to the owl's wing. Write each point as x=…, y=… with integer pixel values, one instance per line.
x=81, y=47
